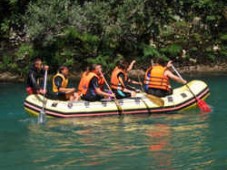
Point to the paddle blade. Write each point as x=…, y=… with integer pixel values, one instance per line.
x=41, y=118
x=203, y=106
x=158, y=101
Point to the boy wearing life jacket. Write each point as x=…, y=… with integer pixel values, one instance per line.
x=157, y=79
x=119, y=80
x=33, y=80
x=60, y=85
x=91, y=83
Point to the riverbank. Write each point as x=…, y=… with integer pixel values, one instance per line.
x=198, y=69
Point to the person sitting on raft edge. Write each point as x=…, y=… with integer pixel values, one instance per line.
x=157, y=78
x=90, y=87
x=60, y=85
x=36, y=72
x=119, y=80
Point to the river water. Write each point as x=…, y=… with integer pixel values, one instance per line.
x=189, y=140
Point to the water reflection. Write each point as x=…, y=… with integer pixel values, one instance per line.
x=88, y=142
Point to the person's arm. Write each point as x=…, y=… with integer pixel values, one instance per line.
x=102, y=93
x=121, y=79
x=44, y=67
x=95, y=85
x=131, y=65
x=33, y=81
x=174, y=77
x=58, y=81
x=135, y=82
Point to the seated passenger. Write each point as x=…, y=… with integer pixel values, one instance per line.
x=60, y=85
x=89, y=85
x=158, y=79
x=119, y=80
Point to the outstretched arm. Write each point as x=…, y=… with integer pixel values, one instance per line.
x=131, y=65
x=174, y=77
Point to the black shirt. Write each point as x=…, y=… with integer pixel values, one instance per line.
x=33, y=78
x=122, y=76
x=58, y=81
x=93, y=86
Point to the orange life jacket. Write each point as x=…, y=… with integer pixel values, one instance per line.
x=80, y=84
x=64, y=83
x=101, y=82
x=146, y=77
x=157, y=78
x=115, y=82
x=85, y=81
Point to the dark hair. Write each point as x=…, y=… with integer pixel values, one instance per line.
x=61, y=69
x=36, y=60
x=122, y=64
x=160, y=61
x=93, y=66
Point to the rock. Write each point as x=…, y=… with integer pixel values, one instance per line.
x=10, y=77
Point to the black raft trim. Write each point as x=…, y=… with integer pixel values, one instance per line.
x=171, y=108
x=37, y=109
x=151, y=110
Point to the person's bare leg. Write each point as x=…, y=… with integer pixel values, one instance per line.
x=76, y=96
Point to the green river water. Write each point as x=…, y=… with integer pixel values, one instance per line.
x=189, y=140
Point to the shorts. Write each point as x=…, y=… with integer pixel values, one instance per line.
x=120, y=94
x=30, y=91
x=91, y=98
x=61, y=96
x=159, y=92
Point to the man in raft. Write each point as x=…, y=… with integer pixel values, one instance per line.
x=119, y=80
x=157, y=79
x=91, y=83
x=60, y=85
x=36, y=72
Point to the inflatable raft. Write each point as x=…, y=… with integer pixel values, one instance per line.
x=180, y=100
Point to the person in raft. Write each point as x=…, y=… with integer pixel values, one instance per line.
x=119, y=81
x=60, y=85
x=90, y=87
x=157, y=78
x=36, y=72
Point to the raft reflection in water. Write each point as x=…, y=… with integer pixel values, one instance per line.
x=152, y=141
x=172, y=145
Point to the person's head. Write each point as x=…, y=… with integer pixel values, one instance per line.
x=37, y=63
x=122, y=64
x=64, y=70
x=96, y=68
x=160, y=61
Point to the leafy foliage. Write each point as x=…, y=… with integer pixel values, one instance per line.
x=76, y=33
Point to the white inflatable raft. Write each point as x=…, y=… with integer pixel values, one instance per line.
x=181, y=99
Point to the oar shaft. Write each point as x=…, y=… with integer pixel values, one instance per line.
x=45, y=80
x=41, y=118
x=178, y=74
x=115, y=99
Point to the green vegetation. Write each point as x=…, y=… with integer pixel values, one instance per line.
x=76, y=33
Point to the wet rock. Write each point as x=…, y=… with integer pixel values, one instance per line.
x=10, y=77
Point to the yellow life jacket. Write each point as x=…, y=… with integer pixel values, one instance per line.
x=64, y=83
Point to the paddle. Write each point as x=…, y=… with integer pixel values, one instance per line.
x=115, y=99
x=203, y=106
x=157, y=100
x=41, y=118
